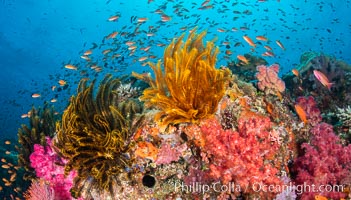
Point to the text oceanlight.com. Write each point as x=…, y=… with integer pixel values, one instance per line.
x=197, y=187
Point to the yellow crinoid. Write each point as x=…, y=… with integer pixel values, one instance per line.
x=189, y=87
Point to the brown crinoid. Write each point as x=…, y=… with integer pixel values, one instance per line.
x=95, y=137
x=189, y=87
x=41, y=124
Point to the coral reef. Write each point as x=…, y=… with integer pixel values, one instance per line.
x=246, y=72
x=126, y=92
x=94, y=137
x=49, y=167
x=268, y=79
x=324, y=162
x=190, y=87
x=233, y=160
x=343, y=125
x=309, y=105
x=41, y=124
x=306, y=84
x=39, y=190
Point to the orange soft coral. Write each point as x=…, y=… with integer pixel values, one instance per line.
x=189, y=87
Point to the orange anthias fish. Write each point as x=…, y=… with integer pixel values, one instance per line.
x=249, y=41
x=322, y=79
x=320, y=197
x=262, y=38
x=301, y=113
x=295, y=72
x=243, y=59
x=280, y=44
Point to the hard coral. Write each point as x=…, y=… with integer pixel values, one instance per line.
x=95, y=137
x=242, y=157
x=190, y=87
x=325, y=162
x=268, y=79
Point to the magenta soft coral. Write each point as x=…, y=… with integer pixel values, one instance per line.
x=309, y=105
x=242, y=157
x=325, y=162
x=49, y=166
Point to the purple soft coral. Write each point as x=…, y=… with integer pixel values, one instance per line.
x=325, y=163
x=49, y=166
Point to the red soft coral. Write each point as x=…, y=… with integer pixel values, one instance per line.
x=325, y=162
x=309, y=105
x=242, y=157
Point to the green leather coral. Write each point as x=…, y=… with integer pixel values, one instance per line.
x=189, y=87
x=95, y=137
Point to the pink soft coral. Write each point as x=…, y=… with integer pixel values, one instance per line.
x=243, y=156
x=268, y=79
x=309, y=105
x=167, y=154
x=50, y=167
x=325, y=162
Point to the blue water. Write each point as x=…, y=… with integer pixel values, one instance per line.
x=37, y=38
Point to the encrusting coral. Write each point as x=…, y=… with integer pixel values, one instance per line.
x=95, y=138
x=190, y=87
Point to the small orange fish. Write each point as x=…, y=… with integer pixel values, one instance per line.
x=113, y=18
x=221, y=30
x=322, y=79
x=301, y=113
x=106, y=51
x=85, y=58
x=130, y=43
x=24, y=115
x=249, y=41
x=87, y=52
x=36, y=95
x=112, y=35
x=5, y=166
x=165, y=18
x=7, y=142
x=228, y=52
x=142, y=19
x=53, y=100
x=268, y=47
x=62, y=82
x=141, y=59
x=268, y=53
x=295, y=72
x=280, y=44
x=243, y=59
x=262, y=38
x=320, y=197
x=70, y=67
